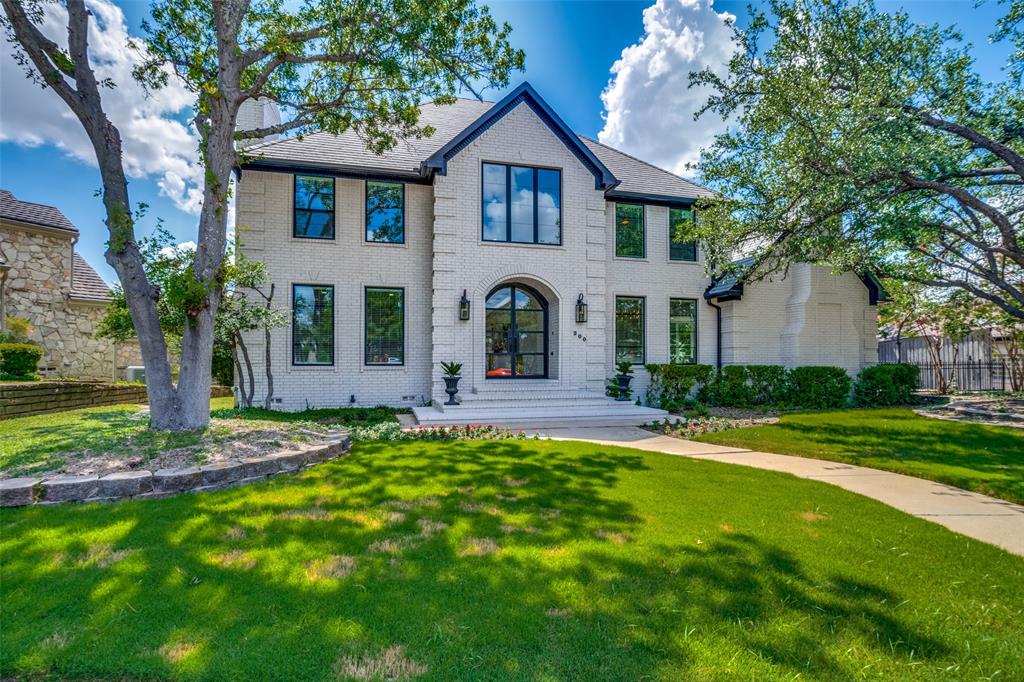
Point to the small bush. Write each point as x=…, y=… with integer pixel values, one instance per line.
x=671, y=385
x=886, y=384
x=817, y=387
x=747, y=386
x=19, y=359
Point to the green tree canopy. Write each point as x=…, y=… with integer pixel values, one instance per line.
x=864, y=141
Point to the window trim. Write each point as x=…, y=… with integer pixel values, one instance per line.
x=696, y=256
x=643, y=231
x=366, y=322
x=366, y=211
x=295, y=209
x=508, y=204
x=696, y=329
x=334, y=328
x=643, y=329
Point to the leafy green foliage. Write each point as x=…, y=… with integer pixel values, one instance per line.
x=16, y=329
x=748, y=386
x=624, y=368
x=451, y=369
x=671, y=385
x=886, y=384
x=19, y=359
x=866, y=142
x=817, y=387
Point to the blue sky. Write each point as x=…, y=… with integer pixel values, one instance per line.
x=570, y=50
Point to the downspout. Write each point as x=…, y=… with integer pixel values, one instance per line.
x=718, y=332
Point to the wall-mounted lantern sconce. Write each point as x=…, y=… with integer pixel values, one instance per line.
x=464, y=307
x=581, y=310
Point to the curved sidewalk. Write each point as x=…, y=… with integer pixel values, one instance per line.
x=996, y=522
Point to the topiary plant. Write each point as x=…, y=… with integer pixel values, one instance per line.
x=19, y=359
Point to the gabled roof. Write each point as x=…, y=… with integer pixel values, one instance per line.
x=729, y=287
x=524, y=94
x=346, y=154
x=86, y=285
x=42, y=215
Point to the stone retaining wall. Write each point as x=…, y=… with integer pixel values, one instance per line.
x=25, y=399
x=123, y=485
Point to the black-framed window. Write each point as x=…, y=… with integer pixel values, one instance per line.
x=313, y=217
x=385, y=212
x=680, y=224
x=682, y=331
x=629, y=231
x=629, y=329
x=312, y=324
x=521, y=204
x=384, y=326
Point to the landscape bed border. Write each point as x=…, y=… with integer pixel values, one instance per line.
x=143, y=484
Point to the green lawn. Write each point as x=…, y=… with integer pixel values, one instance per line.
x=535, y=560
x=985, y=459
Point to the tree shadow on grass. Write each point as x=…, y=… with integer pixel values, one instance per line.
x=497, y=559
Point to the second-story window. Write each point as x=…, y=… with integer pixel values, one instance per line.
x=314, y=207
x=629, y=231
x=521, y=204
x=680, y=246
x=385, y=212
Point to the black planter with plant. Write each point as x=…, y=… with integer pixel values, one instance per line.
x=624, y=376
x=451, y=380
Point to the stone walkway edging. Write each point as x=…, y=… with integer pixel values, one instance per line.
x=141, y=484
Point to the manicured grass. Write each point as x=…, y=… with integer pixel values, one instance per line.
x=537, y=560
x=43, y=442
x=985, y=459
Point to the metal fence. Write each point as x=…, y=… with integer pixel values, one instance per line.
x=967, y=376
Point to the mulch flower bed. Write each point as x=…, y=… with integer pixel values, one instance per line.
x=696, y=426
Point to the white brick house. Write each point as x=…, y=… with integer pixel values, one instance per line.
x=374, y=254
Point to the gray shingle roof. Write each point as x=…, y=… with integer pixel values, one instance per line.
x=13, y=208
x=85, y=283
x=347, y=152
x=730, y=284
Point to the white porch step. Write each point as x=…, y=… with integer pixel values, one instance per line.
x=517, y=414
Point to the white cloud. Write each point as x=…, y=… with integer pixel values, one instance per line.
x=648, y=105
x=155, y=143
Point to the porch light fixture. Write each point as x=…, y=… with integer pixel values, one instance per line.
x=464, y=307
x=581, y=310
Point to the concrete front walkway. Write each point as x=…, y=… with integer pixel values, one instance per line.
x=983, y=518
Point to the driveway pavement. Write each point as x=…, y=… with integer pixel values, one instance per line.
x=977, y=516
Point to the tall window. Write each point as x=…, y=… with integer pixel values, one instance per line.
x=522, y=204
x=680, y=222
x=682, y=331
x=629, y=231
x=629, y=329
x=314, y=207
x=385, y=326
x=385, y=212
x=312, y=324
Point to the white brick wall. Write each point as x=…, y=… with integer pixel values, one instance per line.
x=776, y=322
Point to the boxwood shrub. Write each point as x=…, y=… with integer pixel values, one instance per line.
x=671, y=385
x=886, y=384
x=19, y=359
x=746, y=386
x=817, y=387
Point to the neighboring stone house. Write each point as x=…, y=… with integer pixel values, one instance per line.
x=533, y=256
x=43, y=280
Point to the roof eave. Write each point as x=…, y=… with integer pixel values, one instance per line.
x=661, y=199
x=336, y=170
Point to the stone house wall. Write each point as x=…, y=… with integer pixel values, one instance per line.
x=37, y=289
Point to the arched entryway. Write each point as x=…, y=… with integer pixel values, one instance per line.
x=516, y=333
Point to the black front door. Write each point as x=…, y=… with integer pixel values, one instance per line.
x=517, y=333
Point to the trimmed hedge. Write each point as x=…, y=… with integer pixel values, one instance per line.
x=817, y=387
x=19, y=359
x=886, y=384
x=747, y=386
x=671, y=385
